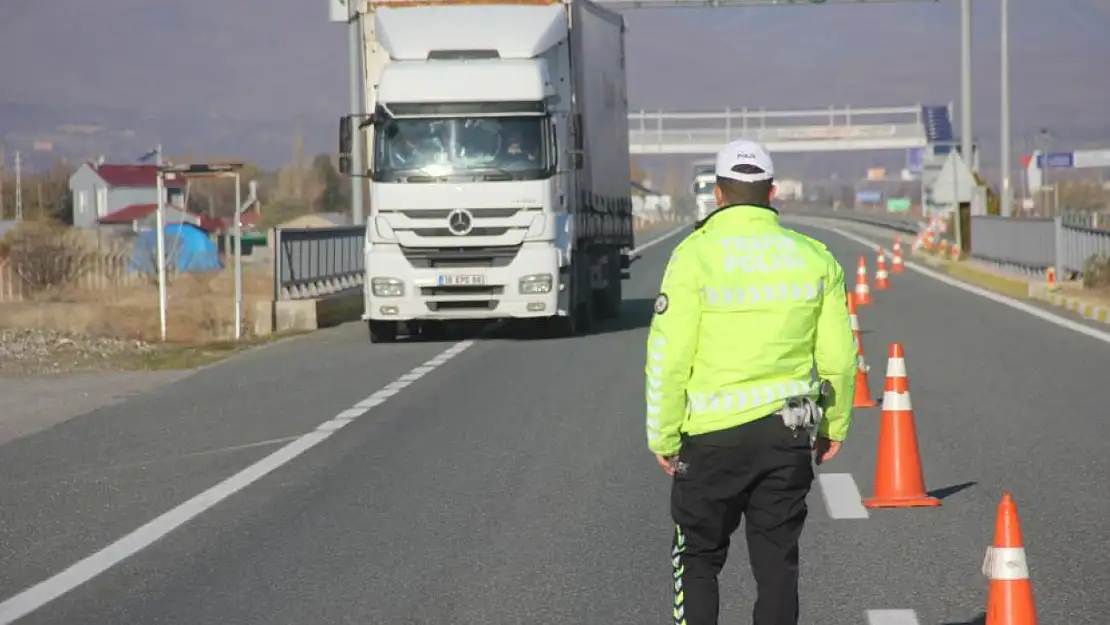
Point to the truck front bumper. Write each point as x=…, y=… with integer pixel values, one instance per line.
x=426, y=294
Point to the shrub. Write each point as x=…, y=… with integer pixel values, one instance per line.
x=1096, y=272
x=47, y=255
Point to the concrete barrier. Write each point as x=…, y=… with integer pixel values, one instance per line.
x=308, y=314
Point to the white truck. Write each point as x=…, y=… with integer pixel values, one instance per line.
x=705, y=178
x=498, y=154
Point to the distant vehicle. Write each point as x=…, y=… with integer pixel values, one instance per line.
x=704, y=178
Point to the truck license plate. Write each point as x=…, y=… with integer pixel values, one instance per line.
x=461, y=280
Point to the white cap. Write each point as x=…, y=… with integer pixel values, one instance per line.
x=748, y=153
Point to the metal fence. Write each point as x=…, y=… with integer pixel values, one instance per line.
x=1026, y=245
x=1032, y=245
x=315, y=262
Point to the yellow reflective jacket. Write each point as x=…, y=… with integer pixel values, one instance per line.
x=748, y=314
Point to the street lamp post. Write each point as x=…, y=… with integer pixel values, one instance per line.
x=160, y=237
x=1006, y=208
x=354, y=77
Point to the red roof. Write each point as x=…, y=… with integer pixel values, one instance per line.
x=133, y=176
x=136, y=212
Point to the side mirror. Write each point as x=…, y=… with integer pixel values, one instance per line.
x=370, y=119
x=346, y=140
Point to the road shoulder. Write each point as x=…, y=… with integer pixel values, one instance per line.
x=33, y=404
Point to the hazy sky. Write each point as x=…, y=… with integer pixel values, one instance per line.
x=263, y=59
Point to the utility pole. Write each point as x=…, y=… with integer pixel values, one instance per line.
x=354, y=77
x=18, y=187
x=160, y=238
x=1006, y=208
x=966, y=144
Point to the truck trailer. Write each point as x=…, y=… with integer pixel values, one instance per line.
x=497, y=137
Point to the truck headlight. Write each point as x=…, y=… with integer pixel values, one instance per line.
x=536, y=284
x=387, y=287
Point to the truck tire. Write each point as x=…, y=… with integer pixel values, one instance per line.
x=382, y=331
x=609, y=302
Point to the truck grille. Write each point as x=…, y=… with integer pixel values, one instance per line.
x=456, y=291
x=479, y=213
x=460, y=257
x=474, y=232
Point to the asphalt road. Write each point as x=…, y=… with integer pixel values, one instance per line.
x=507, y=481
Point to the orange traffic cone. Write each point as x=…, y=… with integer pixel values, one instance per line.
x=853, y=319
x=863, y=291
x=881, y=283
x=862, y=397
x=896, y=264
x=899, y=480
x=1010, y=601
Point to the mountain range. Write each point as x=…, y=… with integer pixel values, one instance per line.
x=242, y=78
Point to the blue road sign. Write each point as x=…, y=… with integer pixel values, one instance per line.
x=1057, y=160
x=915, y=160
x=868, y=197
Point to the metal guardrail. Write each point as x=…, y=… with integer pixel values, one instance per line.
x=316, y=262
x=1027, y=245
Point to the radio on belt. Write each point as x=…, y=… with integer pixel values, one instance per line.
x=802, y=412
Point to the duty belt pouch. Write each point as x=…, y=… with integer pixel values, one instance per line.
x=801, y=413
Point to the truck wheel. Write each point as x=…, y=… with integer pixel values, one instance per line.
x=609, y=302
x=382, y=331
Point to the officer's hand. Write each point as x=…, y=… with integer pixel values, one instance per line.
x=665, y=462
x=826, y=449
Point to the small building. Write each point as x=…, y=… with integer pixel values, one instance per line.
x=140, y=217
x=101, y=189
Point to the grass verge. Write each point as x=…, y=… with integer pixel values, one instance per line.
x=177, y=357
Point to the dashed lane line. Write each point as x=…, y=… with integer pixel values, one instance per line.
x=50, y=589
x=841, y=495
x=891, y=617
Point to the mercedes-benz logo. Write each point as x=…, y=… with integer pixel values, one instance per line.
x=460, y=222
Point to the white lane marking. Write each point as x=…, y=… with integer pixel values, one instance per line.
x=333, y=425
x=842, y=498
x=47, y=590
x=1043, y=315
x=892, y=617
x=351, y=413
x=369, y=403
x=659, y=239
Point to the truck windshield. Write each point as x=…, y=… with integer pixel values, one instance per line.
x=482, y=148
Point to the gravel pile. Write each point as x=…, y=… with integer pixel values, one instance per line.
x=33, y=351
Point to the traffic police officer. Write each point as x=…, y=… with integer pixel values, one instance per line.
x=750, y=332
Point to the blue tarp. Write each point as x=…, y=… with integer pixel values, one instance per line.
x=188, y=250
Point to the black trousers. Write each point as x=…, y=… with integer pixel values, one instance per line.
x=759, y=471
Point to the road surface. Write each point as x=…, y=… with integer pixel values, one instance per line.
x=507, y=481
